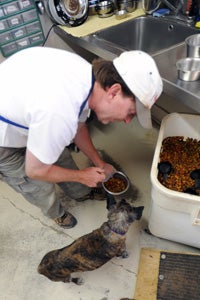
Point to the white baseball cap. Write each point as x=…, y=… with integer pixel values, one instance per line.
x=140, y=73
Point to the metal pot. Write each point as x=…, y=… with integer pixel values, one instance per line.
x=121, y=14
x=69, y=12
x=128, y=5
x=105, y=8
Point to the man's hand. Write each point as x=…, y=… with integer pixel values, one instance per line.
x=92, y=176
x=108, y=170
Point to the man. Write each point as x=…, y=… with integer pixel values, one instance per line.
x=46, y=95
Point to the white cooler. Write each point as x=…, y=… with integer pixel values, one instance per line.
x=175, y=215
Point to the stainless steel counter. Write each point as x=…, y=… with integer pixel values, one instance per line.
x=185, y=92
x=96, y=49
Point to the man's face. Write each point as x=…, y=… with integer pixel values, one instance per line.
x=114, y=106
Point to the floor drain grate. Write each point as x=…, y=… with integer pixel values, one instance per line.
x=179, y=276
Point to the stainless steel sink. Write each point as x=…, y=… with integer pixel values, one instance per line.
x=145, y=33
x=162, y=38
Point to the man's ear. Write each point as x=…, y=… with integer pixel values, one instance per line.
x=114, y=89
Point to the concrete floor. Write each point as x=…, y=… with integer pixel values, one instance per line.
x=26, y=235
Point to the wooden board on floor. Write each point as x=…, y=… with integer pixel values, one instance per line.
x=147, y=279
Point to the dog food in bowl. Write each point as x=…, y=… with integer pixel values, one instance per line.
x=117, y=184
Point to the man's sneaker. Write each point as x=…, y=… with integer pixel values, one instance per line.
x=66, y=221
x=95, y=194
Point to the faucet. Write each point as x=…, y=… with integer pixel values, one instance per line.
x=177, y=9
x=177, y=12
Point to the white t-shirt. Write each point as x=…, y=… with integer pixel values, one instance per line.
x=43, y=89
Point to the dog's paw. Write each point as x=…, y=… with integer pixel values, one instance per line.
x=124, y=254
x=78, y=280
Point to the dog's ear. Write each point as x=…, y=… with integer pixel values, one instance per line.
x=123, y=201
x=139, y=211
x=110, y=201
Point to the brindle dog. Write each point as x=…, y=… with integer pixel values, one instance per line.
x=93, y=250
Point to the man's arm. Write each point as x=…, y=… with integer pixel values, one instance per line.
x=84, y=143
x=35, y=169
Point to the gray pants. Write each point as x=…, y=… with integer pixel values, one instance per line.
x=40, y=193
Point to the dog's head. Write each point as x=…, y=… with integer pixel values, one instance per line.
x=123, y=211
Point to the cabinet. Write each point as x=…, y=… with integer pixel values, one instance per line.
x=20, y=26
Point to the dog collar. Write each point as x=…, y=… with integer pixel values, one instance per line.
x=116, y=231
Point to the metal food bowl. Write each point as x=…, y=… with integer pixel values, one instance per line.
x=117, y=184
x=121, y=14
x=193, y=45
x=188, y=69
x=105, y=9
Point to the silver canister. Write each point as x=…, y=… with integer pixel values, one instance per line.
x=188, y=68
x=193, y=45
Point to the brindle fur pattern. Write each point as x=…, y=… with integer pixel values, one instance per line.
x=92, y=250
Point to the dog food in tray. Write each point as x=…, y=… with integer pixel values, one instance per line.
x=179, y=166
x=175, y=215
